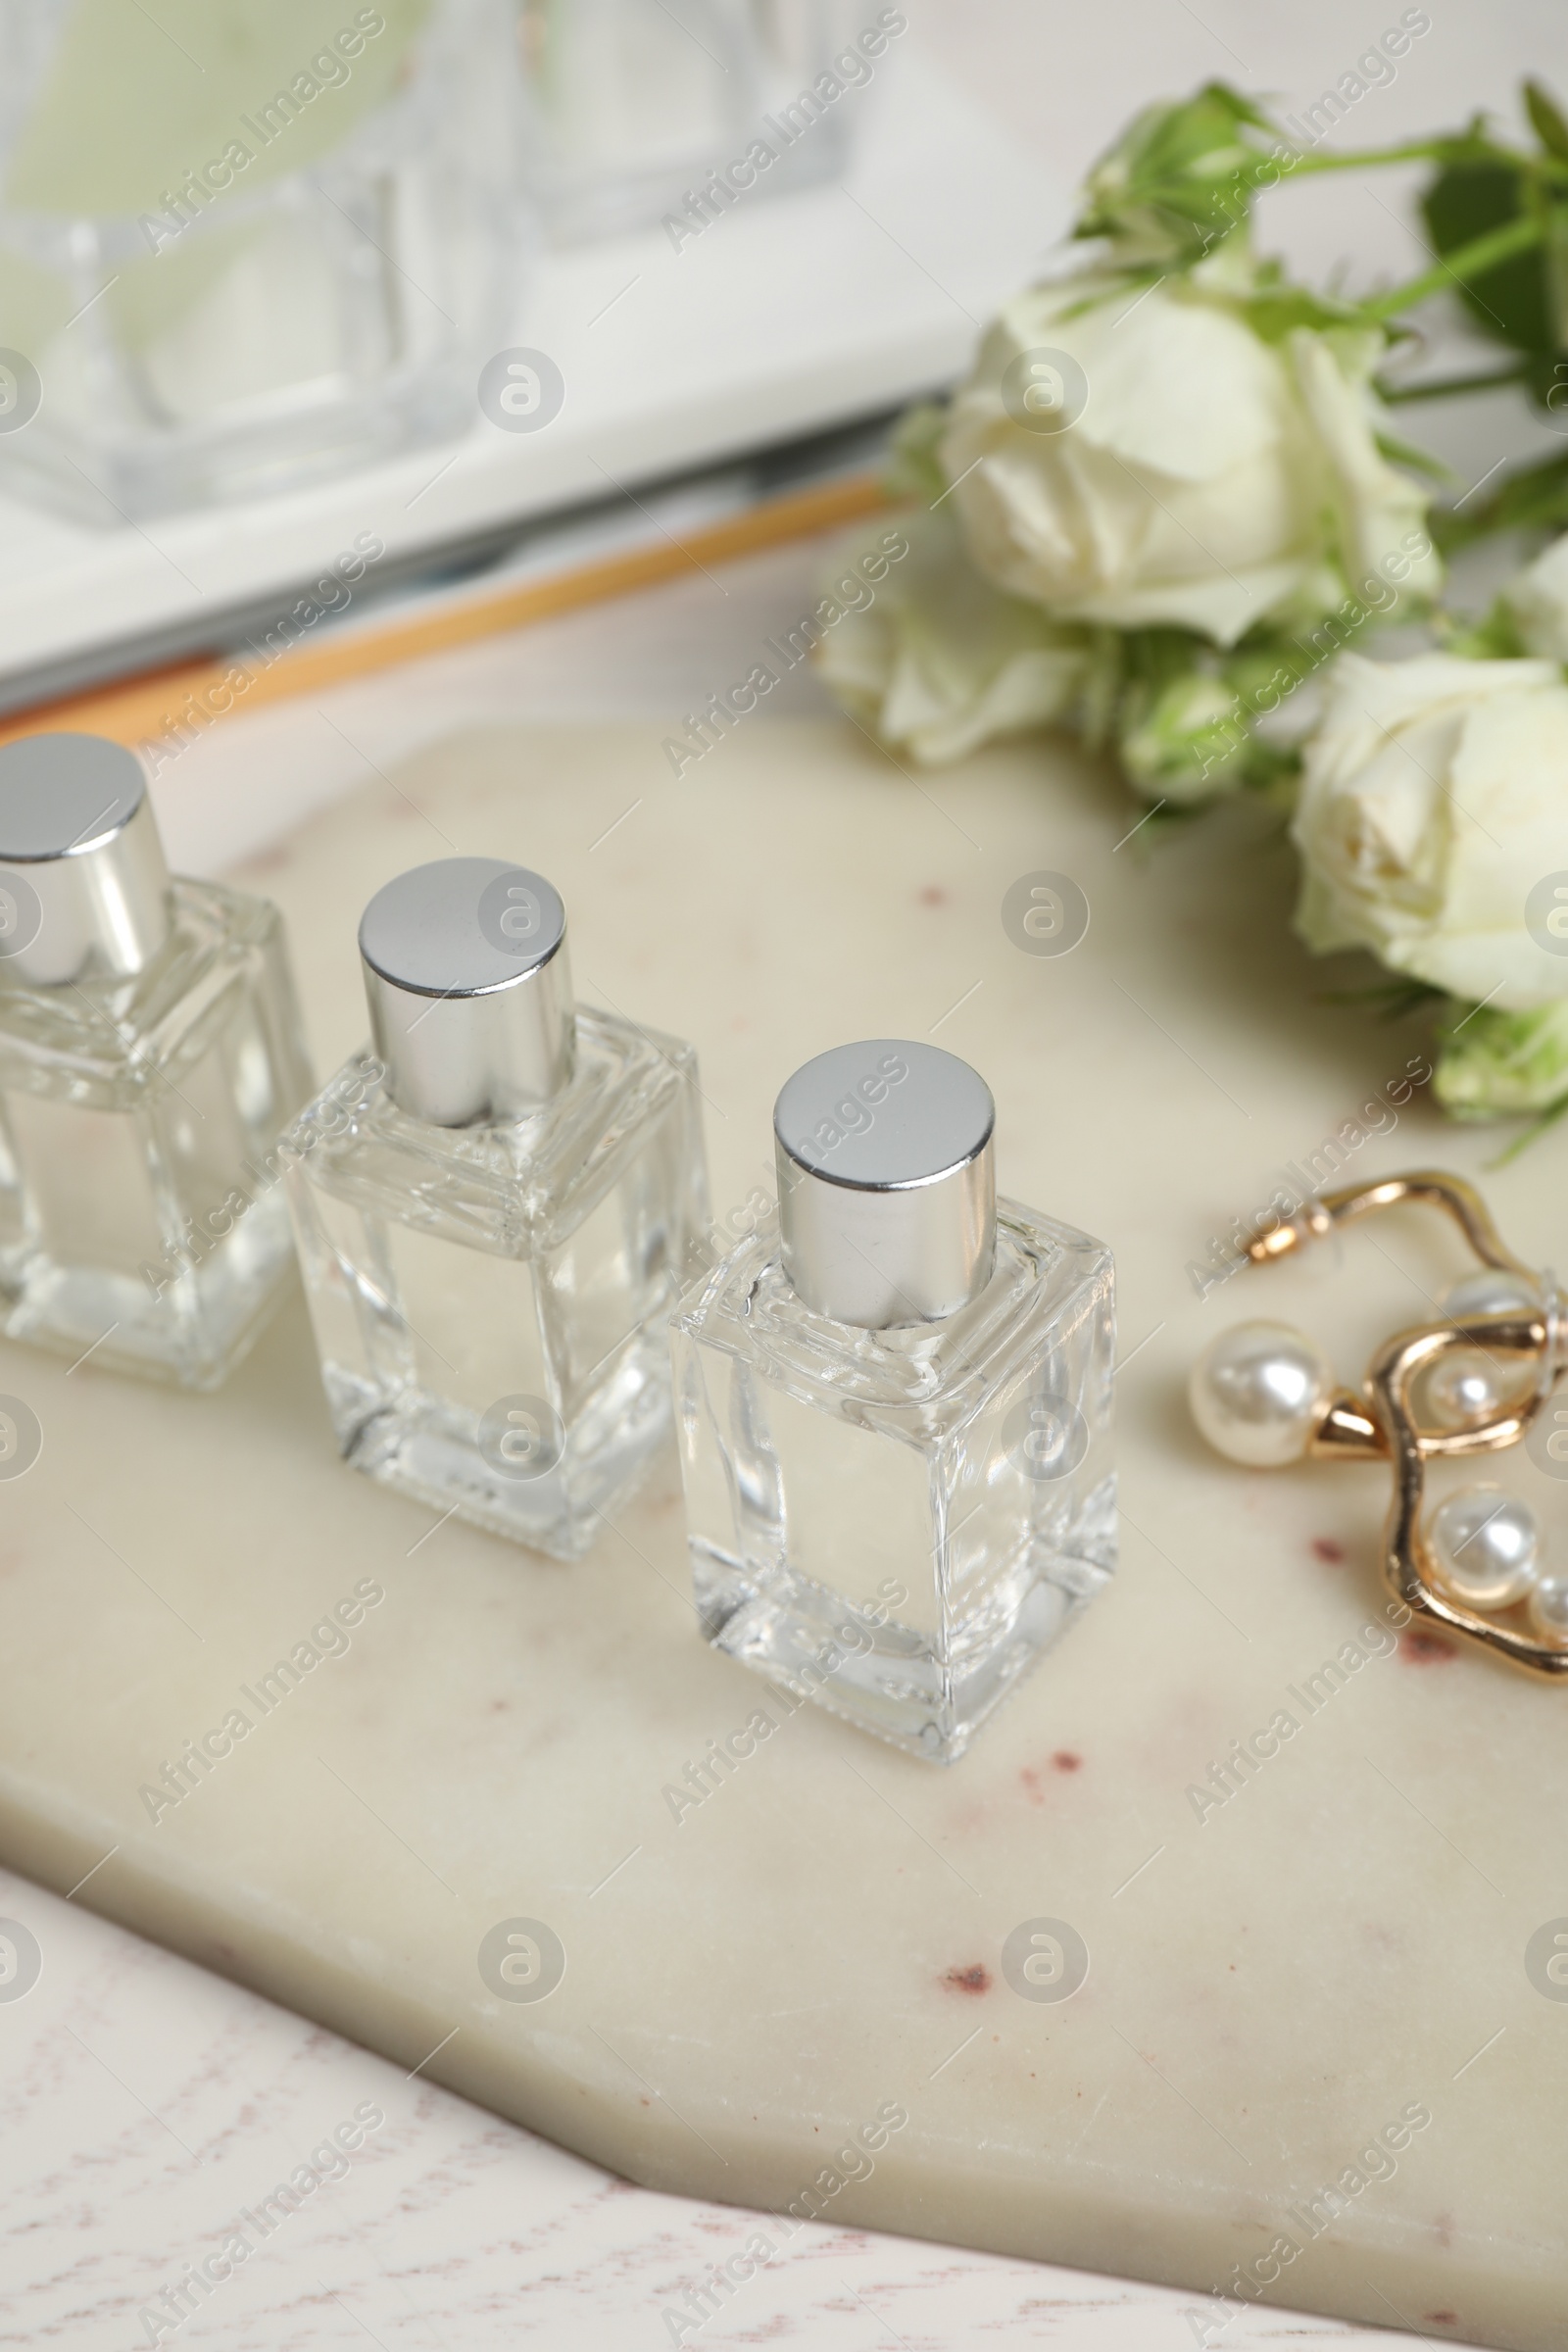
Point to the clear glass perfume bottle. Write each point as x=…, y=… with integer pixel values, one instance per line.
x=290, y=260
x=894, y=1407
x=495, y=1209
x=150, y=1055
x=636, y=111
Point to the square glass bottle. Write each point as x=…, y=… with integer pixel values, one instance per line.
x=495, y=1209
x=895, y=1409
x=150, y=1055
x=638, y=119
x=234, y=275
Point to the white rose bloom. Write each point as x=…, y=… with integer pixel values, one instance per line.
x=940, y=661
x=1539, y=602
x=1433, y=800
x=1212, y=481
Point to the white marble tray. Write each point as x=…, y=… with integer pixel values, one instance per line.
x=822, y=1937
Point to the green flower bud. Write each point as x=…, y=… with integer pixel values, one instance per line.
x=1499, y=1065
x=1185, y=743
x=1180, y=179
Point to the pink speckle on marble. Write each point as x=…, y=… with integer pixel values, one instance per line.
x=1418, y=1648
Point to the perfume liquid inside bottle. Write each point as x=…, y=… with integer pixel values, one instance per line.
x=895, y=1409
x=150, y=1055
x=495, y=1209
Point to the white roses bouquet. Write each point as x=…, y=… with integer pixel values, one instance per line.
x=1169, y=493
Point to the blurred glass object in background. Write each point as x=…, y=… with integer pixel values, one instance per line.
x=635, y=101
x=247, y=243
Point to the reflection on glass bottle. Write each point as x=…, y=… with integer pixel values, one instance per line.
x=244, y=244
x=634, y=103
x=496, y=1211
x=150, y=1053
x=894, y=1407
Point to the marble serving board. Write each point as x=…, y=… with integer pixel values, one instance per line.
x=798, y=1990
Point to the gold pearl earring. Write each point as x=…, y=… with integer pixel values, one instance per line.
x=1474, y=1382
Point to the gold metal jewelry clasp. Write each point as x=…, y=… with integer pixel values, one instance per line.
x=1474, y=1382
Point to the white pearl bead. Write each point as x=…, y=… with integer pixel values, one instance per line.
x=1489, y=1293
x=1258, y=1393
x=1467, y=1387
x=1485, y=1546
x=1464, y=1389
x=1549, y=1612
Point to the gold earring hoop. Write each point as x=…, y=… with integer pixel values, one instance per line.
x=1473, y=1383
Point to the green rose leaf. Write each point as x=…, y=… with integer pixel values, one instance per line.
x=1545, y=119
x=1508, y=302
x=1522, y=299
x=1535, y=498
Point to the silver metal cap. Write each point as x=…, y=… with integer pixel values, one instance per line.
x=84, y=887
x=469, y=992
x=887, y=1188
